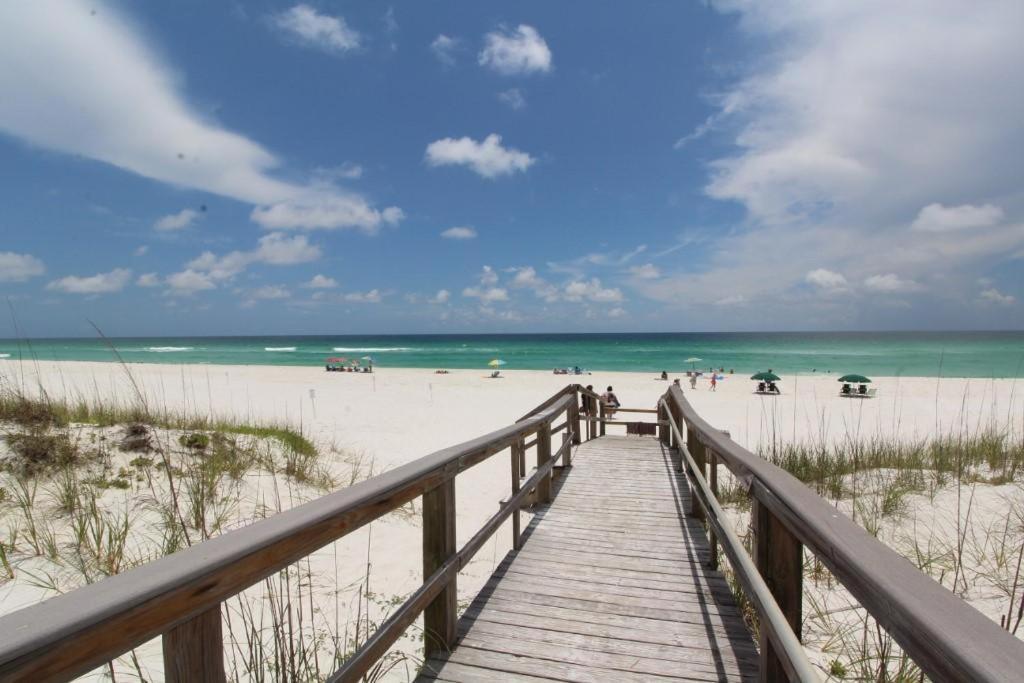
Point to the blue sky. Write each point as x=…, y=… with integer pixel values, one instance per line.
x=339, y=167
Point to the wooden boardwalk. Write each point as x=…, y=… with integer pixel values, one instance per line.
x=609, y=585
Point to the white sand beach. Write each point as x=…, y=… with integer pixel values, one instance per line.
x=394, y=416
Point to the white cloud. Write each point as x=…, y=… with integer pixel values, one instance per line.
x=271, y=292
x=488, y=276
x=321, y=282
x=101, y=283
x=134, y=117
x=486, y=294
x=141, y=250
x=617, y=312
x=189, y=282
x=890, y=282
x=488, y=158
x=591, y=290
x=148, y=280
x=373, y=296
x=513, y=97
x=442, y=297
x=459, y=233
x=177, y=221
x=521, y=51
x=444, y=48
x=939, y=218
x=348, y=170
x=647, y=271
x=834, y=117
x=994, y=296
x=828, y=280
x=324, y=32
x=275, y=249
x=325, y=211
x=19, y=267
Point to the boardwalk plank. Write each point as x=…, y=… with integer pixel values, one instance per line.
x=611, y=584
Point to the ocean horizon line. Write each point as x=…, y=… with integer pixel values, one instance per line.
x=890, y=353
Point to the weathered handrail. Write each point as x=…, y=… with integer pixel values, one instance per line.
x=179, y=596
x=947, y=638
x=793, y=658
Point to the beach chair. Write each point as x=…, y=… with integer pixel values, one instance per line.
x=760, y=388
x=496, y=374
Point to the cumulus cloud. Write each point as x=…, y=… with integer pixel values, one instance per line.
x=19, y=267
x=308, y=27
x=321, y=282
x=834, y=119
x=176, y=221
x=326, y=211
x=148, y=280
x=516, y=52
x=488, y=158
x=733, y=300
x=459, y=233
x=189, y=282
x=134, y=117
x=995, y=297
x=373, y=296
x=486, y=294
x=488, y=276
x=647, y=271
x=939, y=218
x=275, y=249
x=444, y=48
x=513, y=97
x=442, y=297
x=101, y=283
x=890, y=282
x=617, y=312
x=271, y=292
x=592, y=290
x=825, y=279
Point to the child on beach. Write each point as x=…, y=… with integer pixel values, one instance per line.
x=714, y=382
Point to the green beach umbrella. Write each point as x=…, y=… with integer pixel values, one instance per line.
x=693, y=362
x=496, y=363
x=765, y=377
x=854, y=379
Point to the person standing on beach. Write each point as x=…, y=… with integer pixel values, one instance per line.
x=693, y=380
x=714, y=382
x=611, y=401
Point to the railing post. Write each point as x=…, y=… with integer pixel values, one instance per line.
x=601, y=415
x=194, y=650
x=573, y=416
x=696, y=449
x=713, y=483
x=517, y=473
x=440, y=616
x=664, y=431
x=543, y=455
x=779, y=558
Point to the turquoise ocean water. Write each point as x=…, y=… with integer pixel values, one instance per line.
x=921, y=354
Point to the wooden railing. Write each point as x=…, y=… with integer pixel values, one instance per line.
x=947, y=638
x=179, y=597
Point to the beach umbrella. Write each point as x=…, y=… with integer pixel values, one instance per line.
x=765, y=377
x=496, y=363
x=692, y=361
x=854, y=379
